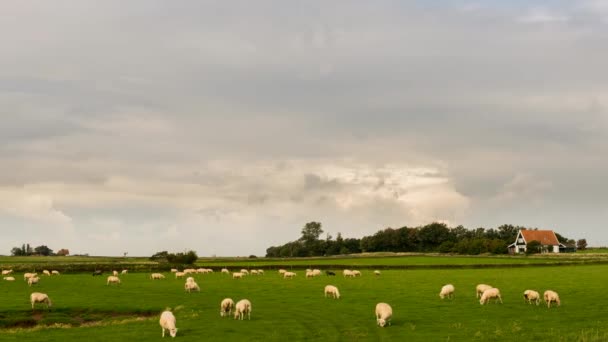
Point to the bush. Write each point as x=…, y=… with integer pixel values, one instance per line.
x=533, y=247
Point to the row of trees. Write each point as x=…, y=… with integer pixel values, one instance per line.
x=434, y=237
x=187, y=258
x=27, y=250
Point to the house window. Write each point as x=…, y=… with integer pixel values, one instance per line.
x=520, y=240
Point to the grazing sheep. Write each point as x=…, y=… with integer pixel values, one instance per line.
x=254, y=272
x=201, y=270
x=550, y=297
x=531, y=296
x=489, y=294
x=55, y=272
x=316, y=272
x=348, y=273
x=189, y=280
x=32, y=280
x=237, y=275
x=124, y=272
x=384, y=314
x=113, y=280
x=173, y=270
x=481, y=288
x=241, y=308
x=261, y=272
x=356, y=273
x=189, y=270
x=9, y=278
x=157, y=276
x=330, y=273
x=225, y=270
x=167, y=322
x=332, y=291
x=209, y=270
x=97, y=273
x=282, y=271
x=309, y=274
x=179, y=275
x=192, y=286
x=289, y=274
x=447, y=291
x=7, y=272
x=115, y=273
x=226, y=307
x=244, y=271
x=37, y=297
x=46, y=273
x=26, y=276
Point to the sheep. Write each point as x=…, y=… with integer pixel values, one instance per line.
x=376, y=272
x=282, y=271
x=332, y=291
x=55, y=272
x=244, y=271
x=174, y=270
x=289, y=274
x=179, y=275
x=192, y=286
x=348, y=273
x=237, y=275
x=481, y=288
x=9, y=278
x=226, y=307
x=32, y=280
x=7, y=272
x=447, y=291
x=225, y=270
x=157, y=276
x=551, y=296
x=384, y=314
x=167, y=322
x=261, y=272
x=209, y=270
x=113, y=280
x=115, y=273
x=189, y=280
x=46, y=273
x=124, y=272
x=309, y=274
x=532, y=296
x=489, y=294
x=201, y=270
x=254, y=272
x=189, y=270
x=356, y=273
x=37, y=297
x=26, y=276
x=316, y=272
x=241, y=308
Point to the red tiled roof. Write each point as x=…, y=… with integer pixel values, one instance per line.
x=545, y=237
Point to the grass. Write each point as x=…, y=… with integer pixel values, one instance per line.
x=296, y=309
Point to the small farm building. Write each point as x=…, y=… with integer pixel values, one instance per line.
x=547, y=239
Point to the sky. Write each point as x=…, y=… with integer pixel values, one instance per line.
x=224, y=126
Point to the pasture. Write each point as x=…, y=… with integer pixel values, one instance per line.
x=295, y=309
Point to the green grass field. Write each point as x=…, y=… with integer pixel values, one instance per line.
x=296, y=310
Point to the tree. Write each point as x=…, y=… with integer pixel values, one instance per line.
x=533, y=247
x=16, y=251
x=311, y=231
x=581, y=244
x=43, y=250
x=63, y=252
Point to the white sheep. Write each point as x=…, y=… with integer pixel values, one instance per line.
x=209, y=270
x=241, y=308
x=550, y=297
x=115, y=273
x=376, y=272
x=201, y=270
x=46, y=273
x=37, y=297
x=244, y=271
x=532, y=296
x=26, y=276
x=316, y=272
x=447, y=291
x=157, y=276
x=480, y=289
x=348, y=273
x=167, y=322
x=174, y=270
x=254, y=272
x=55, y=272
x=261, y=272
x=9, y=278
x=32, y=280
x=179, y=275
x=489, y=294
x=124, y=272
x=384, y=314
x=189, y=280
x=226, y=307
x=332, y=291
x=113, y=280
x=191, y=286
x=282, y=271
x=356, y=273
x=7, y=272
x=309, y=274
x=225, y=270
x=289, y=274
x=237, y=275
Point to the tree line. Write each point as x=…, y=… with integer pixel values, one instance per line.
x=434, y=237
x=27, y=250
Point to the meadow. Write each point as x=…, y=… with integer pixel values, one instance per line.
x=295, y=309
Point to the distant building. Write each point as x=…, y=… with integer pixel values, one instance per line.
x=547, y=239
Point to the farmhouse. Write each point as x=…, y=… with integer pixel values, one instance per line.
x=547, y=239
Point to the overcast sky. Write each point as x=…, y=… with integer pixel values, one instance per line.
x=225, y=126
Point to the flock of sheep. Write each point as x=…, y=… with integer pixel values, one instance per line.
x=383, y=311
